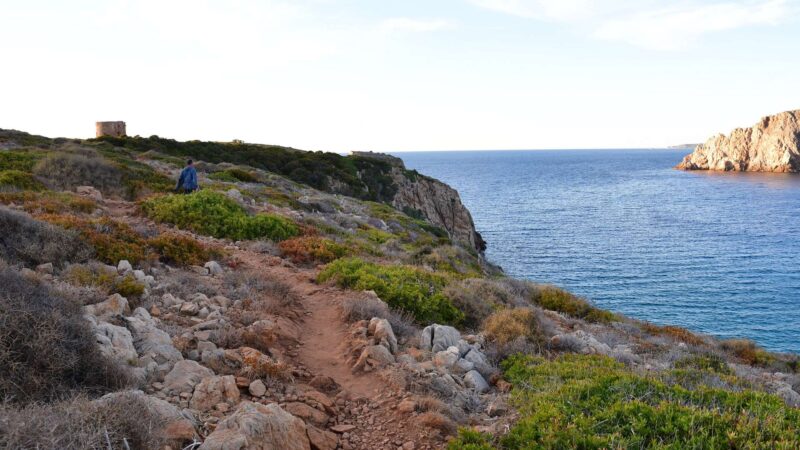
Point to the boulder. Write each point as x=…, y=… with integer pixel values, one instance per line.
x=90, y=192
x=213, y=268
x=176, y=426
x=446, y=358
x=116, y=342
x=382, y=333
x=581, y=342
x=436, y=338
x=235, y=194
x=184, y=376
x=257, y=388
x=320, y=439
x=259, y=427
x=114, y=305
x=189, y=309
x=322, y=401
x=151, y=342
x=308, y=413
x=473, y=379
x=211, y=391
x=124, y=266
x=373, y=357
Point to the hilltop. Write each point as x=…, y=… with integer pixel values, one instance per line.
x=305, y=300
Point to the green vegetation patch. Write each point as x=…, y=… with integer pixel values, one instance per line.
x=593, y=402
x=17, y=180
x=19, y=160
x=555, y=299
x=403, y=287
x=214, y=214
x=234, y=176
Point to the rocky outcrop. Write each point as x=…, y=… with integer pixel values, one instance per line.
x=772, y=145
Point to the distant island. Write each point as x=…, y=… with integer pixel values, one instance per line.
x=772, y=145
x=683, y=146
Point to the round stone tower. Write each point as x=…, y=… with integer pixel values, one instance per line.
x=115, y=129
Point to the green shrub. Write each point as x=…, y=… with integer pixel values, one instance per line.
x=17, y=180
x=66, y=171
x=234, y=175
x=403, y=287
x=47, y=347
x=182, y=250
x=508, y=324
x=555, y=299
x=708, y=363
x=19, y=160
x=593, y=402
x=29, y=241
x=214, y=214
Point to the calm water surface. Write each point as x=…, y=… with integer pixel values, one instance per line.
x=714, y=252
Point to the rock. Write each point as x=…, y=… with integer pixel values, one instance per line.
x=114, y=305
x=175, y=426
x=206, y=345
x=436, y=338
x=772, y=145
x=169, y=300
x=324, y=383
x=211, y=391
x=203, y=313
x=213, y=268
x=343, y=428
x=473, y=379
x=199, y=270
x=116, y=342
x=235, y=194
x=446, y=358
x=45, y=268
x=189, y=309
x=139, y=275
x=257, y=388
x=308, y=413
x=373, y=357
x=258, y=427
x=124, y=267
x=580, y=342
x=89, y=191
x=382, y=333
x=151, y=342
x=321, y=440
x=463, y=366
x=184, y=376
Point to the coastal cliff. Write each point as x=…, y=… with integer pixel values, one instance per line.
x=772, y=145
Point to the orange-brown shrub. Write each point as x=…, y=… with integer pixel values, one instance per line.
x=508, y=325
x=182, y=250
x=312, y=249
x=677, y=333
x=112, y=240
x=747, y=351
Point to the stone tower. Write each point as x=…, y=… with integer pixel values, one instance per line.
x=115, y=129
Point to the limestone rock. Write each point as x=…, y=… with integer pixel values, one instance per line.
x=213, y=267
x=772, y=145
x=258, y=427
x=373, y=357
x=124, y=266
x=321, y=440
x=257, y=388
x=176, y=426
x=307, y=413
x=382, y=333
x=211, y=391
x=116, y=342
x=437, y=338
x=89, y=191
x=151, y=342
x=184, y=377
x=446, y=358
x=475, y=380
x=114, y=305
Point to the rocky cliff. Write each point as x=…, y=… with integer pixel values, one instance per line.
x=431, y=199
x=772, y=145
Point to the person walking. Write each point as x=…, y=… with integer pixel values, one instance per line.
x=187, y=183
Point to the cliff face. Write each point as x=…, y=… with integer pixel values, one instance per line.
x=439, y=203
x=772, y=145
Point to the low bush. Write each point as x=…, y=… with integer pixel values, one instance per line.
x=66, y=171
x=111, y=240
x=708, y=362
x=16, y=180
x=182, y=250
x=747, y=351
x=355, y=309
x=234, y=175
x=49, y=202
x=478, y=298
x=508, y=325
x=677, y=333
x=47, y=347
x=214, y=214
x=312, y=249
x=127, y=422
x=19, y=160
x=258, y=292
x=403, y=287
x=593, y=402
x=556, y=299
x=32, y=242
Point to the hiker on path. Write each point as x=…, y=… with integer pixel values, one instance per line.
x=188, y=179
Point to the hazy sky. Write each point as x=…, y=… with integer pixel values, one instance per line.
x=394, y=75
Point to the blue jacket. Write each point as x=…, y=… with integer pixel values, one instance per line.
x=188, y=179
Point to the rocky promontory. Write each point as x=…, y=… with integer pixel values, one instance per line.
x=772, y=145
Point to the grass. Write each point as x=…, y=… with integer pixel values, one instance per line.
x=234, y=176
x=593, y=402
x=406, y=288
x=556, y=299
x=19, y=160
x=214, y=214
x=17, y=180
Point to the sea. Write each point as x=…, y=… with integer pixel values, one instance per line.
x=717, y=253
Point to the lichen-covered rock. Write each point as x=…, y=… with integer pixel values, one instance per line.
x=373, y=357
x=475, y=380
x=320, y=439
x=184, y=376
x=382, y=333
x=151, y=342
x=213, y=390
x=115, y=342
x=772, y=145
x=436, y=338
x=114, y=305
x=258, y=427
x=308, y=413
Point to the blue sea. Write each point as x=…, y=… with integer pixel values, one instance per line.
x=717, y=253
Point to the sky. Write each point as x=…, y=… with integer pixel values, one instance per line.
x=395, y=75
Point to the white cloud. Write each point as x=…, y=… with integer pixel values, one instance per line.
x=404, y=24
x=645, y=23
